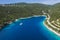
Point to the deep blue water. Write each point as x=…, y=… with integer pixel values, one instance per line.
x=28, y=29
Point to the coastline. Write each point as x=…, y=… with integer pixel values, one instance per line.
x=9, y=23
x=43, y=22
x=51, y=29
x=46, y=25
x=29, y=17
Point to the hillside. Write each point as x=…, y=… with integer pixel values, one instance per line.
x=55, y=11
x=14, y=11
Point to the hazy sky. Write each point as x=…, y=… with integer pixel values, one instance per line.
x=30, y=1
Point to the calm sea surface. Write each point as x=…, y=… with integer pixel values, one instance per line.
x=28, y=29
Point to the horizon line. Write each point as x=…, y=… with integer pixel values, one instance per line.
x=27, y=3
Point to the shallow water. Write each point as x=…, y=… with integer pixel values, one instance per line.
x=28, y=29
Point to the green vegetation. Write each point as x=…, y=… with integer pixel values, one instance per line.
x=10, y=12
x=13, y=11
x=55, y=12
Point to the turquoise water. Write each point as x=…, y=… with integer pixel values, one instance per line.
x=28, y=29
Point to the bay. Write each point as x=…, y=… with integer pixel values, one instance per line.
x=28, y=29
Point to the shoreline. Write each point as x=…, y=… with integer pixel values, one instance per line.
x=47, y=20
x=43, y=23
x=29, y=17
x=51, y=29
x=9, y=23
x=32, y=16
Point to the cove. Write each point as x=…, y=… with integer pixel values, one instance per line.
x=28, y=29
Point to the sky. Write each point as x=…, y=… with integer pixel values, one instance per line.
x=30, y=1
